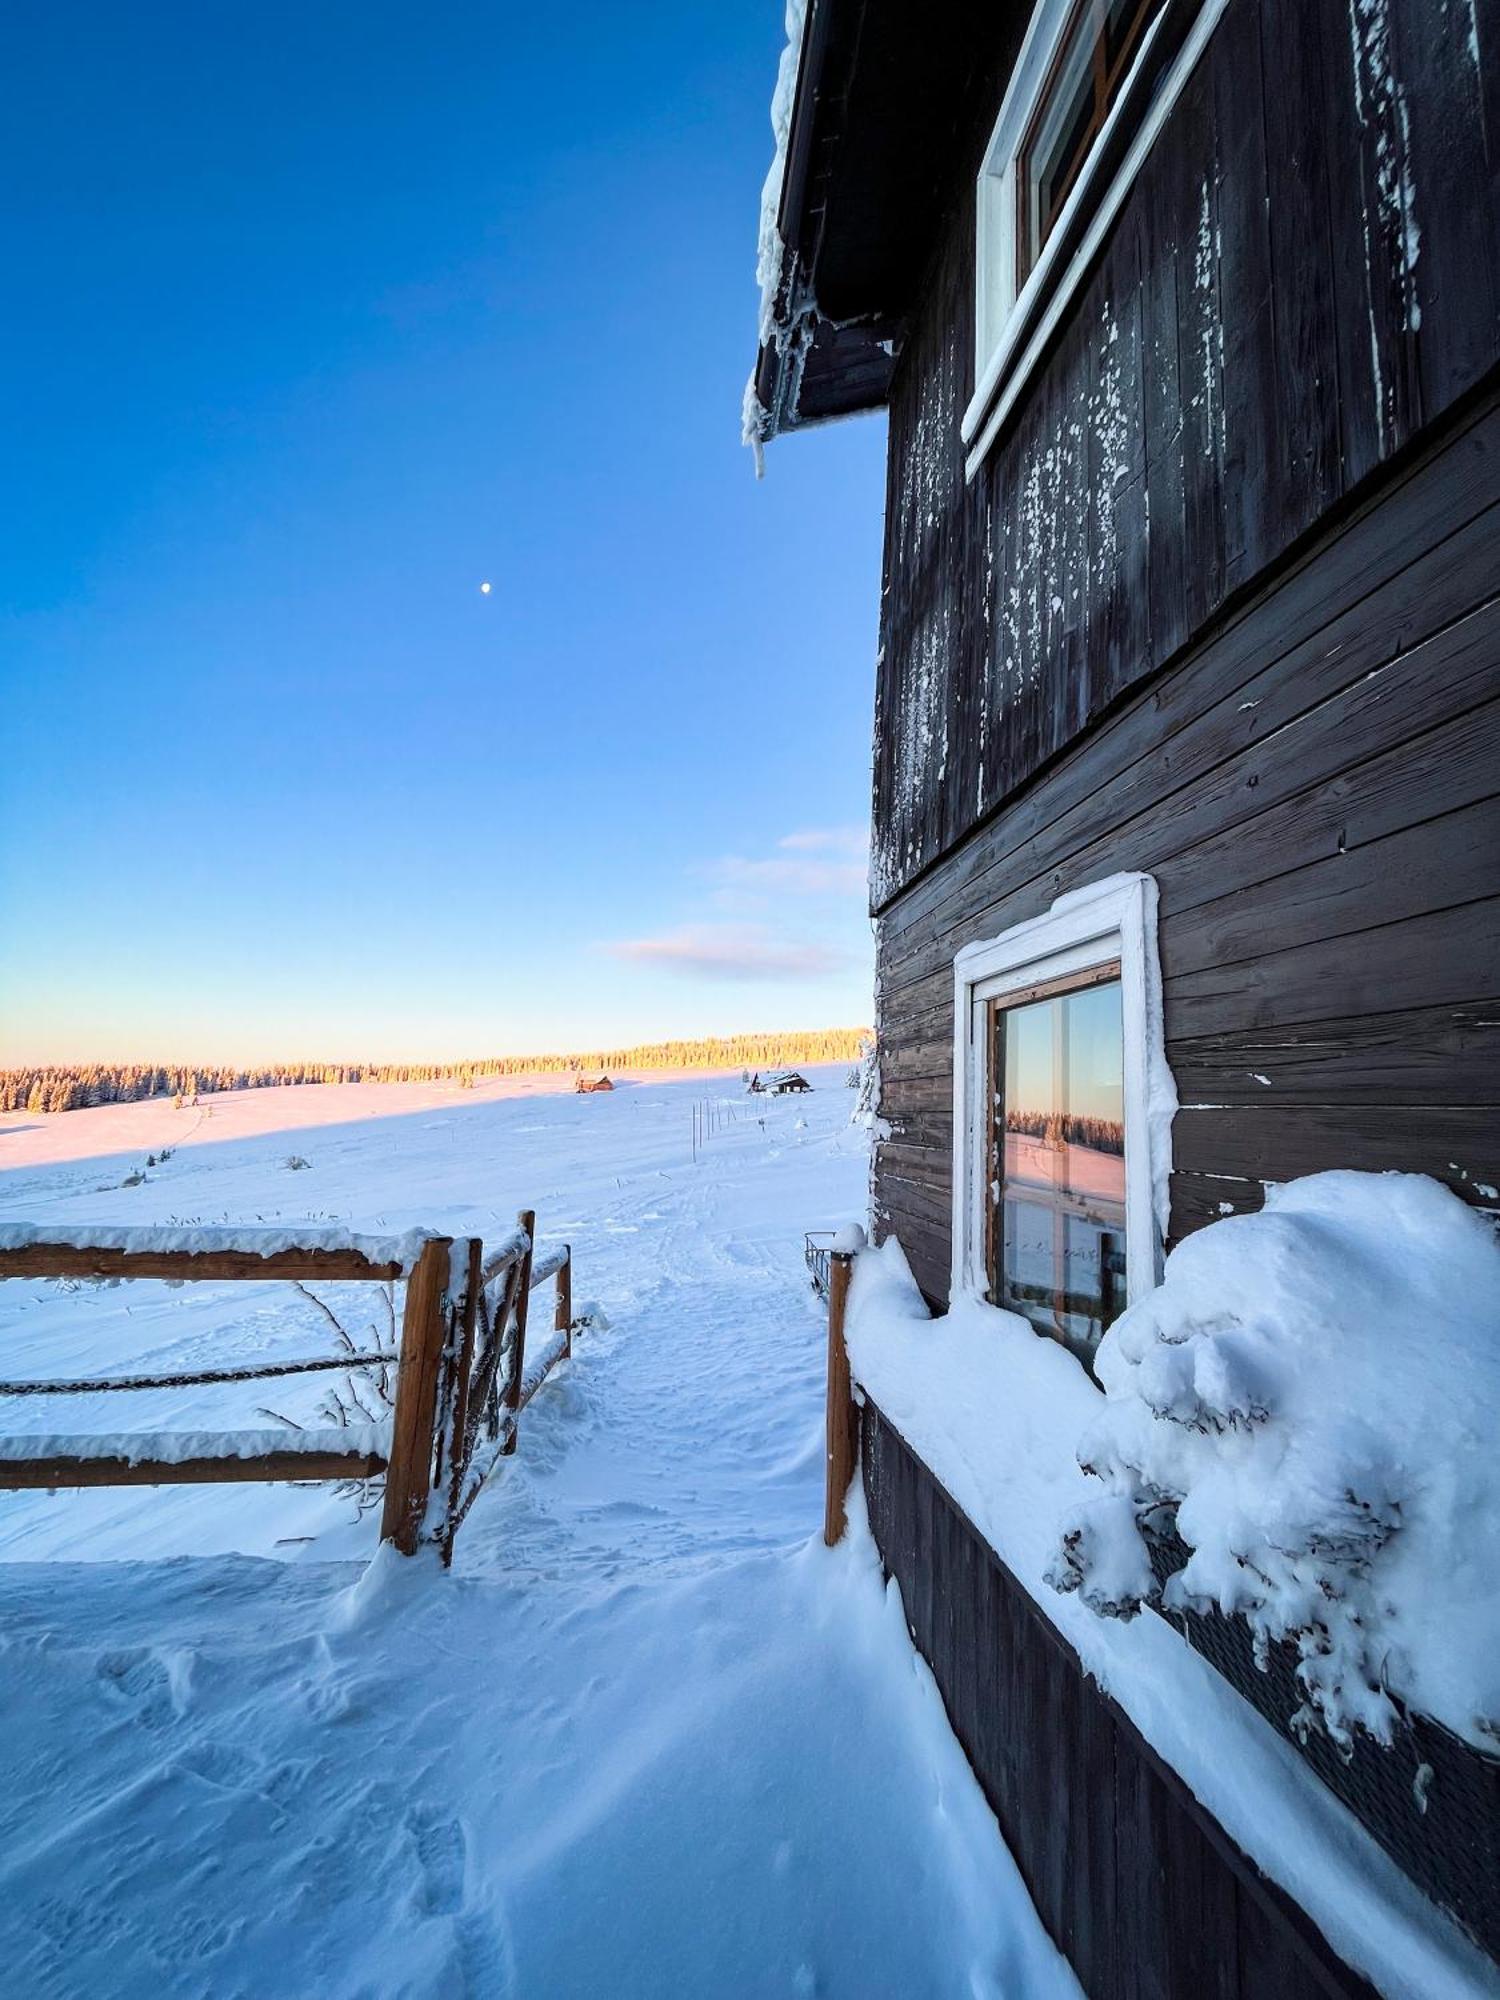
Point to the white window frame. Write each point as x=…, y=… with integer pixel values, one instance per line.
x=1108, y=920
x=1002, y=314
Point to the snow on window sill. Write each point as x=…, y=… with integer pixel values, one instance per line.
x=995, y=1411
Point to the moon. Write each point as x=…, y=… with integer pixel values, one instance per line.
x=484, y=590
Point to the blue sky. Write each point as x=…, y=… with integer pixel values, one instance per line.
x=318, y=318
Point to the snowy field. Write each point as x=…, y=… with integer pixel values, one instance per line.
x=649, y=1738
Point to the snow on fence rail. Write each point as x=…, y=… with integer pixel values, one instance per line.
x=462, y=1372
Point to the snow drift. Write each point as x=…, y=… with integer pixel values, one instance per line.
x=1311, y=1396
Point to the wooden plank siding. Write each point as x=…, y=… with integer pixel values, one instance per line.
x=1316, y=788
x=1304, y=277
x=1137, y=1882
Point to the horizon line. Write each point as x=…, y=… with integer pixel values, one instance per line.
x=618, y=1050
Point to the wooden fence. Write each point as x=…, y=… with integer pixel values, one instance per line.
x=463, y=1374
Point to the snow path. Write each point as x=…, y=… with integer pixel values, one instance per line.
x=648, y=1739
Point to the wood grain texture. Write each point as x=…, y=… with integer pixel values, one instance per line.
x=65, y=1260
x=424, y=1331
x=57, y=1474
x=1316, y=789
x=1303, y=278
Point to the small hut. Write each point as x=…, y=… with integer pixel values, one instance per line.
x=788, y=1080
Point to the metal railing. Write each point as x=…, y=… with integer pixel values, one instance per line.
x=817, y=1254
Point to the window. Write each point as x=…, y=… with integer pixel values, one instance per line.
x=1084, y=80
x=1063, y=1104
x=1056, y=1226
x=1092, y=86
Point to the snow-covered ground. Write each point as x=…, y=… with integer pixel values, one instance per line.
x=649, y=1738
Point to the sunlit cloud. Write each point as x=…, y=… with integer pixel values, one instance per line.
x=853, y=841
x=732, y=951
x=818, y=861
x=790, y=875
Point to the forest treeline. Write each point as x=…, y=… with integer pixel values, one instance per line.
x=74, y=1086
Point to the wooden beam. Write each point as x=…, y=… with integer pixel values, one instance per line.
x=66, y=1260
x=842, y=1411
x=423, y=1332
x=260, y=1372
x=527, y=1220
x=562, y=1318
x=454, y=1421
x=48, y=1474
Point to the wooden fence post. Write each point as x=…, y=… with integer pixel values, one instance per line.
x=843, y=1413
x=408, y=1478
x=452, y=1420
x=562, y=1319
x=527, y=1221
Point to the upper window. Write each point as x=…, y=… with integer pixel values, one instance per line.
x=1085, y=78
x=1094, y=81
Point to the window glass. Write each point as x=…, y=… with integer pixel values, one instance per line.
x=1092, y=63
x=1058, y=1159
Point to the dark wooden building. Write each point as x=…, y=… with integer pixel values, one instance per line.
x=1186, y=845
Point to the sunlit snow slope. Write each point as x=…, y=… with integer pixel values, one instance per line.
x=648, y=1739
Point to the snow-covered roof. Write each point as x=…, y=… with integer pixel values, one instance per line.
x=864, y=140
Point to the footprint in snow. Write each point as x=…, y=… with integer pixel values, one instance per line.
x=485, y=1963
x=138, y=1680
x=221, y=1765
x=441, y=1854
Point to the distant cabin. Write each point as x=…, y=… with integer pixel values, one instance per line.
x=586, y=1084
x=777, y=1082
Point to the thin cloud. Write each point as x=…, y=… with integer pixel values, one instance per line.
x=853, y=841
x=791, y=875
x=731, y=951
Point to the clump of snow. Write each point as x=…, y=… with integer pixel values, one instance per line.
x=177, y=1447
x=1311, y=1394
x=849, y=1240
x=169, y=1239
x=866, y=1110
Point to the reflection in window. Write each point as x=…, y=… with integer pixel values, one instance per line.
x=1057, y=1148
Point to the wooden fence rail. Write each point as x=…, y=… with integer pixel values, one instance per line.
x=461, y=1368
x=841, y=1448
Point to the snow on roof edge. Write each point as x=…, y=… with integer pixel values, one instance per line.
x=770, y=250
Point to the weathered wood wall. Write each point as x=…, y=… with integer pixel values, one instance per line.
x=1305, y=274
x=1139, y=1885
x=1316, y=788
